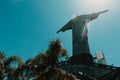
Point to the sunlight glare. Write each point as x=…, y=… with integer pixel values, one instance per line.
x=96, y=4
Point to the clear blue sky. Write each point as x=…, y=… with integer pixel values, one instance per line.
x=27, y=26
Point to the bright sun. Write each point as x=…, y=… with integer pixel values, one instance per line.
x=97, y=4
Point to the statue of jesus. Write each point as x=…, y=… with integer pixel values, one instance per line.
x=80, y=31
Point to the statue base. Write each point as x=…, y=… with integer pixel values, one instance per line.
x=84, y=58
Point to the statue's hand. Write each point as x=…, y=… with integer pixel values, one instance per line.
x=103, y=11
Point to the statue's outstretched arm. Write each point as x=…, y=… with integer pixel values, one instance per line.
x=101, y=12
x=66, y=26
x=95, y=15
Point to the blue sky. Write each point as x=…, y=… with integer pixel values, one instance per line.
x=27, y=26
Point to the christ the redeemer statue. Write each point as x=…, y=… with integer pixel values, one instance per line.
x=80, y=31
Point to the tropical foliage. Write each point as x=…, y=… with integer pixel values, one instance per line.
x=43, y=66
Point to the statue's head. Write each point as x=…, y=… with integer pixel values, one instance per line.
x=75, y=18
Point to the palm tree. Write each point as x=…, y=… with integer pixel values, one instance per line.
x=31, y=68
x=56, y=74
x=2, y=68
x=11, y=64
x=43, y=66
x=55, y=52
x=50, y=60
